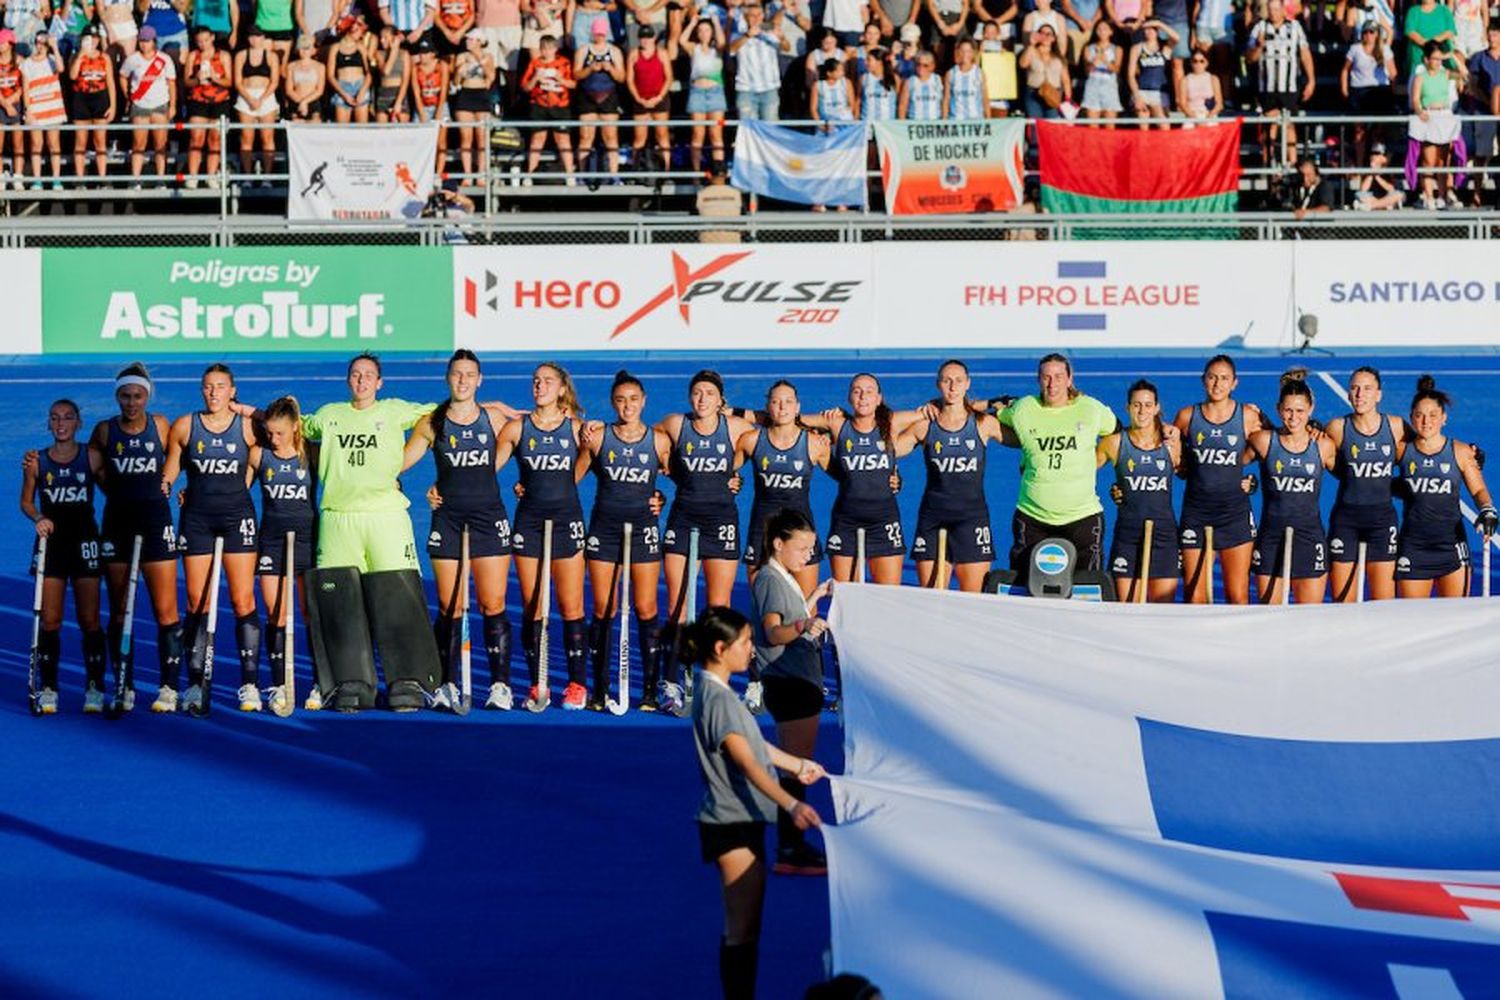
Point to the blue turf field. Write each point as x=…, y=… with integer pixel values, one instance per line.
x=377, y=856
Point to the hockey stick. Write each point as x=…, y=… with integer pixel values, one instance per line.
x=859, y=556
x=33, y=682
x=1484, y=587
x=1140, y=598
x=288, y=701
x=621, y=705
x=1206, y=564
x=544, y=609
x=465, y=648
x=1286, y=567
x=1359, y=572
x=123, y=674
x=210, y=627
x=691, y=613
x=939, y=571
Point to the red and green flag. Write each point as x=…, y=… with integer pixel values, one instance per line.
x=1096, y=171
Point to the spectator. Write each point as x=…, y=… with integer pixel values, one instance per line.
x=950, y=22
x=475, y=72
x=1199, y=93
x=1127, y=14
x=222, y=17
x=878, y=89
x=893, y=16
x=1048, y=82
x=1004, y=21
x=791, y=21
x=540, y=18
x=904, y=52
x=720, y=201
x=353, y=83
x=1147, y=75
x=452, y=22
x=964, y=86
x=1427, y=21
x=703, y=40
x=307, y=82
x=1101, y=63
x=921, y=96
x=833, y=97
x=1358, y=13
x=168, y=19
x=316, y=19
x=1469, y=19
x=548, y=81
x=95, y=101
x=587, y=14
x=648, y=76
x=1043, y=13
x=757, y=79
x=274, y=17
x=1311, y=195
x=70, y=20
x=150, y=83
x=599, y=68
x=118, y=18
x=1434, y=88
x=1174, y=14
x=412, y=18
x=430, y=80
x=1213, y=35
x=1376, y=191
x=41, y=74
x=1483, y=98
x=644, y=14
x=827, y=48
x=393, y=96
x=1365, y=81
x=1084, y=14
x=11, y=111
x=257, y=76
x=846, y=19
x=869, y=41
x=499, y=23
x=999, y=63
x=26, y=19
x=1278, y=47
x=209, y=75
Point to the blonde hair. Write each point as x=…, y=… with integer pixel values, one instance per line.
x=567, y=395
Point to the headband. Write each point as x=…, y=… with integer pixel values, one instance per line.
x=140, y=380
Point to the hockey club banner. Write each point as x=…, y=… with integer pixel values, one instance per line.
x=931, y=167
x=350, y=173
x=1050, y=799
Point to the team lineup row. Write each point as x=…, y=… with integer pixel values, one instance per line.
x=353, y=452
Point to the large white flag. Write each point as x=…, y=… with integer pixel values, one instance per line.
x=1052, y=799
x=353, y=172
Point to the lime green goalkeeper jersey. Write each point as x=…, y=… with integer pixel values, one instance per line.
x=359, y=454
x=1058, y=469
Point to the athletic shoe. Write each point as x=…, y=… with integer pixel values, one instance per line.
x=128, y=704
x=500, y=697
x=314, y=702
x=442, y=698
x=537, y=696
x=192, y=698
x=648, y=699
x=669, y=699
x=93, y=701
x=47, y=702
x=166, y=700
x=755, y=698
x=575, y=697
x=804, y=859
x=277, y=699
x=249, y=698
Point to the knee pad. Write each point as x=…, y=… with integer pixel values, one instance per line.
x=339, y=634
x=397, y=612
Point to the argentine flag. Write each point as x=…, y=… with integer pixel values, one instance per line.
x=818, y=169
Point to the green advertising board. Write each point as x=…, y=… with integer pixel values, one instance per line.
x=247, y=300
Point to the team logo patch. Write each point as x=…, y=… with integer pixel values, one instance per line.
x=920, y=545
x=1403, y=563
x=230, y=447
x=519, y=538
x=1121, y=564
x=436, y=538
x=1234, y=439
x=265, y=562
x=1336, y=545
x=150, y=445
x=834, y=541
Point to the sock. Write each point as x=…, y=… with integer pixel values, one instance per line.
x=444, y=632
x=121, y=662
x=737, y=969
x=599, y=653
x=48, y=650
x=195, y=643
x=787, y=834
x=94, y=657
x=670, y=669
x=529, y=636
x=576, y=646
x=648, y=632
x=247, y=638
x=275, y=642
x=169, y=653
x=497, y=646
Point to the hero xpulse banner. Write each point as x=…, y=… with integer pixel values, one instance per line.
x=350, y=173
x=1053, y=799
x=932, y=167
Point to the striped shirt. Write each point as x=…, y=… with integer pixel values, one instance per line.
x=758, y=63
x=407, y=14
x=833, y=101
x=44, y=98
x=1281, y=48
x=877, y=102
x=966, y=97
x=925, y=103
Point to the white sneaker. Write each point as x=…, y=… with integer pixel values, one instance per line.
x=93, y=701
x=755, y=698
x=249, y=698
x=314, y=702
x=276, y=700
x=191, y=183
x=166, y=700
x=192, y=698
x=128, y=704
x=500, y=697
x=441, y=699
x=47, y=701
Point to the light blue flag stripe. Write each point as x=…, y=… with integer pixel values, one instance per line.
x=818, y=169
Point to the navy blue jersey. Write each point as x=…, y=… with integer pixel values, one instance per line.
x=547, y=460
x=1144, y=476
x=1291, y=484
x=288, y=494
x=955, y=469
x=862, y=464
x=783, y=478
x=702, y=466
x=626, y=471
x=65, y=490
x=215, y=463
x=465, y=457
x=133, y=463
x=1365, y=465
x=1211, y=458
x=1433, y=482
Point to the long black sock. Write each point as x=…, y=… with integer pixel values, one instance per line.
x=169, y=653
x=48, y=650
x=497, y=646
x=576, y=646
x=669, y=670
x=598, y=654
x=275, y=641
x=530, y=633
x=443, y=631
x=247, y=638
x=737, y=969
x=121, y=662
x=787, y=834
x=195, y=643
x=648, y=632
x=95, y=658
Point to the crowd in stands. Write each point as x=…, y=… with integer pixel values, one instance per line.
x=568, y=71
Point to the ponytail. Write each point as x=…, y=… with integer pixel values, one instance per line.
x=286, y=408
x=716, y=625
x=567, y=395
x=780, y=527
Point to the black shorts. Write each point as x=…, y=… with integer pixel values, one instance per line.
x=1086, y=534
x=718, y=839
x=1289, y=101
x=607, y=537
x=1233, y=525
x=755, y=536
x=89, y=107
x=236, y=526
x=71, y=555
x=791, y=698
x=969, y=537
x=1375, y=526
x=272, y=547
x=718, y=533
x=489, y=533
x=1371, y=101
x=1309, y=551
x=526, y=537
x=279, y=35
x=1426, y=560
x=542, y=113
x=442, y=45
x=600, y=104
x=1125, y=552
x=882, y=530
x=153, y=522
x=211, y=110
x=472, y=100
